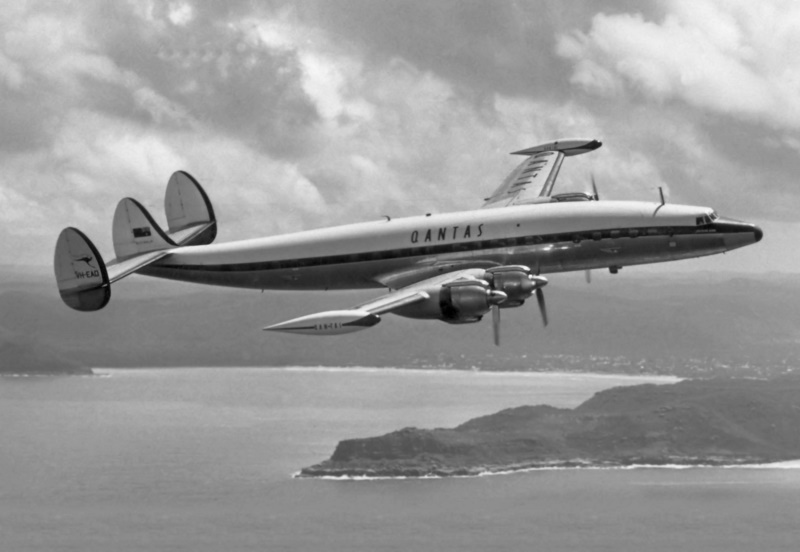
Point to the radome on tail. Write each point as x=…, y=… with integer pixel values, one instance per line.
x=454, y=267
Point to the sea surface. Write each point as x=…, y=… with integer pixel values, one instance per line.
x=202, y=460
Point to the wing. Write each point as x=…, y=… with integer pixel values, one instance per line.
x=368, y=314
x=533, y=179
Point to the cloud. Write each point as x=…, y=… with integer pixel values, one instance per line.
x=308, y=114
x=734, y=58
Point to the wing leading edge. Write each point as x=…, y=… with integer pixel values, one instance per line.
x=368, y=314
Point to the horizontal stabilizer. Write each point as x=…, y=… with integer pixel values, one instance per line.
x=119, y=269
x=190, y=216
x=81, y=274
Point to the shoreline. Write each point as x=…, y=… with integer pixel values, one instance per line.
x=724, y=422
x=484, y=471
x=398, y=369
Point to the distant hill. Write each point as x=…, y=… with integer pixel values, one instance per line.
x=19, y=354
x=693, y=422
x=620, y=324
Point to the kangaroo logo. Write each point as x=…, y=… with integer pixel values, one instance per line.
x=86, y=259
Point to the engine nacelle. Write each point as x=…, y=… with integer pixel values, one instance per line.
x=459, y=302
x=515, y=281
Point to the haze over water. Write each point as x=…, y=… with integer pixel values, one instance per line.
x=201, y=459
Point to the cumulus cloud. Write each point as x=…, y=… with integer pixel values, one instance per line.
x=736, y=58
x=306, y=114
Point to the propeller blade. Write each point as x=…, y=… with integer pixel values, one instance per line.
x=542, y=306
x=588, y=276
x=496, y=324
x=594, y=189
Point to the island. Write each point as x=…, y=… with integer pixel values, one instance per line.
x=693, y=422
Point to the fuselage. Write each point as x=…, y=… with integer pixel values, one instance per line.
x=550, y=237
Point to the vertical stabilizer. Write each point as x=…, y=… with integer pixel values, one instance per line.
x=190, y=216
x=81, y=274
x=135, y=232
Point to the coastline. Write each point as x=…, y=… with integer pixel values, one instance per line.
x=576, y=465
x=714, y=423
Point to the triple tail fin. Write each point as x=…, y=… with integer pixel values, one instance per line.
x=136, y=232
x=190, y=216
x=81, y=274
x=83, y=278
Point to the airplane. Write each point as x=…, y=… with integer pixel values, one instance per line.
x=454, y=267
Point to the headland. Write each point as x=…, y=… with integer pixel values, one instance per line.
x=693, y=422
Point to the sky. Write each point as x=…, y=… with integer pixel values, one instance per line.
x=304, y=114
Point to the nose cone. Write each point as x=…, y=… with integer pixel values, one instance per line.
x=738, y=234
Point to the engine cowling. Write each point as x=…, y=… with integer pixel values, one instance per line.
x=467, y=301
x=515, y=281
x=459, y=302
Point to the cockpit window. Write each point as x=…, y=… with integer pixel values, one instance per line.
x=705, y=219
x=714, y=215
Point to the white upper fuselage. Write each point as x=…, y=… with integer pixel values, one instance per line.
x=463, y=226
x=549, y=237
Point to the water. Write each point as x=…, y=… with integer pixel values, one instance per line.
x=201, y=459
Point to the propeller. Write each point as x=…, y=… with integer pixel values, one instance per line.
x=497, y=297
x=540, y=282
x=596, y=197
x=496, y=323
x=542, y=306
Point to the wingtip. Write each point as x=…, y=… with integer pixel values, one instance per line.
x=568, y=147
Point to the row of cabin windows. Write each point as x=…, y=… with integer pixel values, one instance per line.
x=471, y=246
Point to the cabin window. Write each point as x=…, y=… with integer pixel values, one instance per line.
x=653, y=231
x=596, y=236
x=633, y=232
x=614, y=233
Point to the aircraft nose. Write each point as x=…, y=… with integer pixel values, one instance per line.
x=758, y=233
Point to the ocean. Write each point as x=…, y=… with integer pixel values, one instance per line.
x=202, y=460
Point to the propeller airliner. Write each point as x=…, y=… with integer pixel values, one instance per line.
x=454, y=267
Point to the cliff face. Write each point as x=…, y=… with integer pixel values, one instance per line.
x=696, y=422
